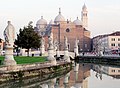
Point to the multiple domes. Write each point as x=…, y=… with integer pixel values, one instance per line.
x=58, y=18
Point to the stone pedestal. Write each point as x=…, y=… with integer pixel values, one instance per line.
x=58, y=54
x=51, y=57
x=42, y=49
x=9, y=59
x=66, y=56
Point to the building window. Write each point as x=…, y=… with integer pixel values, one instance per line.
x=113, y=39
x=119, y=44
x=113, y=44
x=67, y=30
x=118, y=39
x=113, y=70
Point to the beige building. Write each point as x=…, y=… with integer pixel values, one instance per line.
x=107, y=42
x=61, y=27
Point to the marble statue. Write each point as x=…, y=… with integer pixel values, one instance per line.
x=9, y=34
x=42, y=47
x=66, y=55
x=51, y=50
x=66, y=42
x=51, y=39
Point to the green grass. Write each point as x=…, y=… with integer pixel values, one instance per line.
x=26, y=60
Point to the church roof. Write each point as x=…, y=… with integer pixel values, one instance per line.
x=59, y=17
x=41, y=21
x=77, y=22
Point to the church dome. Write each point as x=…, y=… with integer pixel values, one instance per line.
x=41, y=21
x=77, y=22
x=59, y=17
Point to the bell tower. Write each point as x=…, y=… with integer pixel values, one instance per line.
x=84, y=17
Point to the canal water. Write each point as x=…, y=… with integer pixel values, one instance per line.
x=81, y=76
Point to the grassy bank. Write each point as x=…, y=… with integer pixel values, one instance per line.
x=25, y=59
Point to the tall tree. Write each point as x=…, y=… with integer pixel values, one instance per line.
x=28, y=38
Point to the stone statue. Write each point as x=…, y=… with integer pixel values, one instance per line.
x=9, y=34
x=51, y=39
x=66, y=42
x=56, y=44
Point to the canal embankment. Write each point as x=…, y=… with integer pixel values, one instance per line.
x=99, y=60
x=29, y=70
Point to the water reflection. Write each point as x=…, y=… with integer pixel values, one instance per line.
x=108, y=70
x=81, y=76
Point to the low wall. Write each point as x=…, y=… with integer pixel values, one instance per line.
x=28, y=70
x=99, y=60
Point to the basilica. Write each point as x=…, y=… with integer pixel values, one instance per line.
x=61, y=27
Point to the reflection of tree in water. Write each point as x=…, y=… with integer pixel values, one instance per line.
x=98, y=71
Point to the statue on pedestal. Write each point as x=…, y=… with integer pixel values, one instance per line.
x=66, y=55
x=9, y=34
x=51, y=50
x=42, y=47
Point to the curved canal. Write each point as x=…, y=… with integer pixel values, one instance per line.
x=81, y=76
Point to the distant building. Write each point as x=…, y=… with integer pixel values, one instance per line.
x=72, y=30
x=107, y=42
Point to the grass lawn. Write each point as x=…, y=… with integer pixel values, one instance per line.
x=25, y=59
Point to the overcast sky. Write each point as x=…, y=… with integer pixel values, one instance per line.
x=103, y=15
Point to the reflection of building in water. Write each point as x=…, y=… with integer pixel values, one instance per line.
x=78, y=79
x=111, y=71
x=73, y=79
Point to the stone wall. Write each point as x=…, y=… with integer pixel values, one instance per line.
x=28, y=70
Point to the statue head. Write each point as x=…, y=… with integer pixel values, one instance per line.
x=9, y=22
